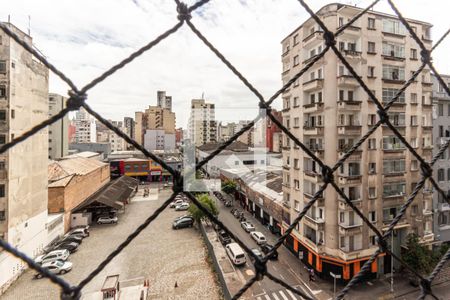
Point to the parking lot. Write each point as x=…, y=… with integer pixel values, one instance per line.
x=160, y=254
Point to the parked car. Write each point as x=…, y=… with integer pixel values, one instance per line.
x=183, y=217
x=236, y=254
x=183, y=223
x=258, y=237
x=72, y=247
x=266, y=248
x=52, y=256
x=72, y=239
x=84, y=232
x=56, y=267
x=107, y=220
x=182, y=206
x=224, y=238
x=248, y=226
x=257, y=252
x=176, y=203
x=228, y=203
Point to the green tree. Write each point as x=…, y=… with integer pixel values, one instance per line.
x=418, y=256
x=207, y=203
x=229, y=187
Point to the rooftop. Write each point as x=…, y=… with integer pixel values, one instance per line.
x=61, y=172
x=234, y=147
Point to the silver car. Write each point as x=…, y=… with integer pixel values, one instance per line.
x=56, y=267
x=107, y=220
x=53, y=256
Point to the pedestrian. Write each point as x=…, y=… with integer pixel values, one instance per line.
x=311, y=275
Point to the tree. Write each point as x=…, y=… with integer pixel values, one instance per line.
x=417, y=256
x=206, y=201
x=229, y=187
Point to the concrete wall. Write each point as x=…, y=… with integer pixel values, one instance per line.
x=58, y=137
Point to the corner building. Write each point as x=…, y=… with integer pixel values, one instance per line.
x=329, y=111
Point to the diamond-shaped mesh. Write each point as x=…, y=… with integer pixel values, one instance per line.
x=77, y=99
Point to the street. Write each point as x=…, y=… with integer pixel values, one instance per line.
x=287, y=267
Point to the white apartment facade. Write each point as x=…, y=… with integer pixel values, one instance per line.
x=158, y=139
x=23, y=169
x=85, y=128
x=329, y=112
x=202, y=127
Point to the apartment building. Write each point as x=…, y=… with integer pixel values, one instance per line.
x=23, y=168
x=58, y=132
x=85, y=127
x=158, y=117
x=329, y=111
x=441, y=134
x=202, y=126
x=128, y=123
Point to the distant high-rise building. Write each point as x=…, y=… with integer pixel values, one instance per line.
x=158, y=139
x=58, y=132
x=128, y=123
x=164, y=101
x=441, y=134
x=23, y=168
x=329, y=112
x=155, y=117
x=86, y=130
x=202, y=123
x=178, y=137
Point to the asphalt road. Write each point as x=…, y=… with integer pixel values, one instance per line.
x=283, y=268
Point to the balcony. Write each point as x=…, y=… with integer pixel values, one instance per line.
x=313, y=176
x=320, y=200
x=350, y=228
x=349, y=129
x=316, y=130
x=392, y=56
x=427, y=86
x=344, y=206
x=312, y=36
x=313, y=107
x=356, y=155
x=312, y=85
x=394, y=81
x=347, y=81
x=317, y=149
x=428, y=237
x=427, y=212
x=349, y=179
x=286, y=204
x=352, y=54
x=349, y=105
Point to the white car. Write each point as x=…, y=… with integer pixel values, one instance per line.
x=107, y=220
x=176, y=203
x=248, y=226
x=182, y=206
x=62, y=254
x=56, y=267
x=259, y=238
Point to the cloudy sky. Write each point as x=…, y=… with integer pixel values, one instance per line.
x=84, y=38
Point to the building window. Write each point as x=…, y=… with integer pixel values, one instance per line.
x=2, y=139
x=296, y=184
x=2, y=165
x=371, y=23
x=414, y=209
x=393, y=26
x=440, y=110
x=414, y=121
x=371, y=47
x=393, y=50
x=394, y=189
x=392, y=143
x=441, y=132
x=371, y=71
x=389, y=93
x=2, y=91
x=296, y=60
x=413, y=53
x=2, y=66
x=414, y=165
x=372, y=168
x=296, y=102
x=389, y=213
x=393, y=166
x=413, y=98
x=372, y=144
x=372, y=119
x=372, y=192
x=2, y=115
x=2, y=215
x=441, y=175
x=295, y=39
x=340, y=21
x=372, y=216
x=296, y=205
x=393, y=72
x=2, y=190
x=13, y=115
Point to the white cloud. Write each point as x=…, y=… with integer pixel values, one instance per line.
x=84, y=38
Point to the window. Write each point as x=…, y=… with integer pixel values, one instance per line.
x=371, y=47
x=295, y=39
x=296, y=165
x=2, y=190
x=312, y=76
x=413, y=53
x=414, y=121
x=2, y=91
x=389, y=93
x=372, y=168
x=296, y=102
x=371, y=23
x=371, y=119
x=2, y=215
x=2, y=66
x=441, y=175
x=296, y=184
x=296, y=205
x=393, y=50
x=448, y=174
x=414, y=209
x=441, y=131
x=372, y=216
x=296, y=60
x=2, y=115
x=371, y=71
x=413, y=98
x=393, y=72
x=372, y=192
x=392, y=143
x=353, y=169
x=393, y=189
x=340, y=21
x=397, y=119
x=393, y=26
x=13, y=115
x=319, y=73
x=440, y=109
x=2, y=139
x=2, y=165
x=414, y=165
x=393, y=166
x=373, y=240
x=372, y=144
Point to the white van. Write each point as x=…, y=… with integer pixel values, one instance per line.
x=236, y=254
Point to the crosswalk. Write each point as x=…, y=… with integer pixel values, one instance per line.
x=278, y=295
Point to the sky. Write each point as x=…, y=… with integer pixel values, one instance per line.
x=84, y=38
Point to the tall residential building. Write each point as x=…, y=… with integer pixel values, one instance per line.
x=158, y=139
x=86, y=130
x=58, y=132
x=23, y=168
x=164, y=101
x=128, y=123
x=441, y=134
x=329, y=111
x=202, y=125
x=155, y=117
x=224, y=132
